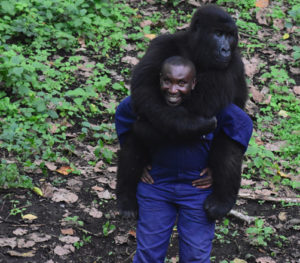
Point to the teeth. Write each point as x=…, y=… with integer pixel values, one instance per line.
x=173, y=99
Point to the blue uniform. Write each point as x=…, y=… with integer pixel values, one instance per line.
x=172, y=196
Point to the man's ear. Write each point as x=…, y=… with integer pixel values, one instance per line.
x=194, y=83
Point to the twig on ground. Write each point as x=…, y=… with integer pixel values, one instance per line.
x=269, y=198
x=239, y=215
x=87, y=232
x=130, y=257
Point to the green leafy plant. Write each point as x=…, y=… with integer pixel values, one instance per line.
x=16, y=209
x=85, y=240
x=108, y=228
x=259, y=234
x=102, y=152
x=10, y=177
x=74, y=220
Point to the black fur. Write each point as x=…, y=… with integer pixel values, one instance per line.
x=218, y=84
x=132, y=159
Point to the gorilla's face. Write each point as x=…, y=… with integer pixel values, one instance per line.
x=176, y=83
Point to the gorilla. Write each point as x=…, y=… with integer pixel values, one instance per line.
x=211, y=44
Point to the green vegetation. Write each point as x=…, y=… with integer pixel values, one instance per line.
x=62, y=74
x=43, y=91
x=259, y=234
x=108, y=228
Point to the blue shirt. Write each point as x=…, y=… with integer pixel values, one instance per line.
x=183, y=161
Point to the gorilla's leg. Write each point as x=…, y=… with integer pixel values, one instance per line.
x=131, y=163
x=225, y=161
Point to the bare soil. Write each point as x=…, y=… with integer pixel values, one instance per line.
x=75, y=231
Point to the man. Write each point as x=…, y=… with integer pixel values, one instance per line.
x=169, y=192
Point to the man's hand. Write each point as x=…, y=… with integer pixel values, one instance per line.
x=206, y=182
x=146, y=177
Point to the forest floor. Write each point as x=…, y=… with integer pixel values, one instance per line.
x=76, y=220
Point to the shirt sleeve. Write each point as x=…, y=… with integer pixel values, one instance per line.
x=236, y=124
x=124, y=119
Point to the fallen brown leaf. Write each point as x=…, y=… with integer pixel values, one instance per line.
x=146, y=23
x=150, y=36
x=262, y=18
x=22, y=243
x=95, y=213
x=97, y=188
x=195, y=3
x=112, y=169
x=256, y=95
x=265, y=260
x=259, y=141
x=130, y=60
x=51, y=166
x=251, y=66
x=279, y=23
x=65, y=250
x=47, y=190
x=74, y=185
x=282, y=216
x=98, y=166
x=20, y=231
x=8, y=242
x=67, y=231
x=282, y=174
x=65, y=170
x=104, y=195
x=262, y=3
x=132, y=233
x=69, y=239
x=238, y=260
x=296, y=90
x=38, y=237
x=63, y=195
x=81, y=41
x=113, y=184
x=121, y=240
x=247, y=182
x=53, y=128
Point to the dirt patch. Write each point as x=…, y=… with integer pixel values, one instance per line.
x=90, y=230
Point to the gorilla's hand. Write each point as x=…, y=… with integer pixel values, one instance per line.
x=207, y=125
x=217, y=208
x=128, y=208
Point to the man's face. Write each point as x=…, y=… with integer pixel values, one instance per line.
x=176, y=83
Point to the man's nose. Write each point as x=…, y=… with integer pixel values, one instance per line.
x=173, y=89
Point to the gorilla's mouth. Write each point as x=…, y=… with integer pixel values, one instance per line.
x=223, y=59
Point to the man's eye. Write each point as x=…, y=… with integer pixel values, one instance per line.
x=218, y=33
x=182, y=83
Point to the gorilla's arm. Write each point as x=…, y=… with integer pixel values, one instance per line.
x=132, y=159
x=151, y=135
x=147, y=133
x=241, y=89
x=147, y=99
x=225, y=162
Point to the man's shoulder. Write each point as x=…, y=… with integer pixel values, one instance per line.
x=234, y=111
x=125, y=108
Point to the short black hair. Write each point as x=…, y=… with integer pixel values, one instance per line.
x=178, y=60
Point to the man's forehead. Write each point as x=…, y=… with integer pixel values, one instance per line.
x=174, y=68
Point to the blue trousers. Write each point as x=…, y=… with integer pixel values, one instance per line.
x=159, y=207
